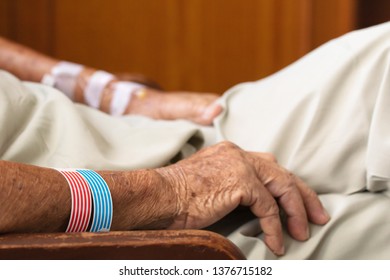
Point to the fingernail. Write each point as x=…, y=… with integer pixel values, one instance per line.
x=209, y=113
x=281, y=251
x=326, y=214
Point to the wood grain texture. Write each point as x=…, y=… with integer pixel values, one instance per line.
x=131, y=245
x=29, y=22
x=191, y=45
x=371, y=12
x=332, y=18
x=197, y=45
x=4, y=28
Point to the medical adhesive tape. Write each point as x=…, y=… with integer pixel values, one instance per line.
x=121, y=98
x=102, y=201
x=63, y=76
x=95, y=87
x=81, y=201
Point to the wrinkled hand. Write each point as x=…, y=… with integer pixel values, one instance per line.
x=214, y=181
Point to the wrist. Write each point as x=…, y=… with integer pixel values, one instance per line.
x=142, y=199
x=104, y=91
x=81, y=85
x=98, y=89
x=176, y=179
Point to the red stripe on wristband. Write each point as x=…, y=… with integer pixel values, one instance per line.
x=85, y=202
x=81, y=201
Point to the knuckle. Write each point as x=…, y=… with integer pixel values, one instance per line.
x=287, y=183
x=270, y=157
x=228, y=145
x=291, y=182
x=271, y=209
x=286, y=180
x=310, y=193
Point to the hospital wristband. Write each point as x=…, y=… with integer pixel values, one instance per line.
x=90, y=198
x=121, y=98
x=63, y=76
x=94, y=90
x=81, y=201
x=102, y=201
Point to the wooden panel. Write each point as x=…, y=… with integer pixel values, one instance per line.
x=371, y=12
x=4, y=18
x=117, y=35
x=198, y=45
x=30, y=23
x=193, y=45
x=293, y=31
x=332, y=18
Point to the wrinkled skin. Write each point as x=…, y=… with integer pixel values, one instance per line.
x=214, y=181
x=200, y=108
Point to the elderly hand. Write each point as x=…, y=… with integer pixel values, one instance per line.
x=214, y=181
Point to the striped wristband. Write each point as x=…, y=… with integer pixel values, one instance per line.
x=102, y=201
x=90, y=197
x=81, y=201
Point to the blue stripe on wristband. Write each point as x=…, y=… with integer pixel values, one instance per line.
x=102, y=201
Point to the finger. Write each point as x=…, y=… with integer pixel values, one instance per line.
x=315, y=211
x=289, y=198
x=211, y=112
x=282, y=185
x=314, y=208
x=267, y=210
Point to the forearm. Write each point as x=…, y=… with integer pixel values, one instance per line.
x=113, y=94
x=24, y=62
x=38, y=199
x=30, y=65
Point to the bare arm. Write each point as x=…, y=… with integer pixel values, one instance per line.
x=38, y=199
x=193, y=193
x=23, y=62
x=31, y=65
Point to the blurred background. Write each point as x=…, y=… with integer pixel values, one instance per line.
x=195, y=45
